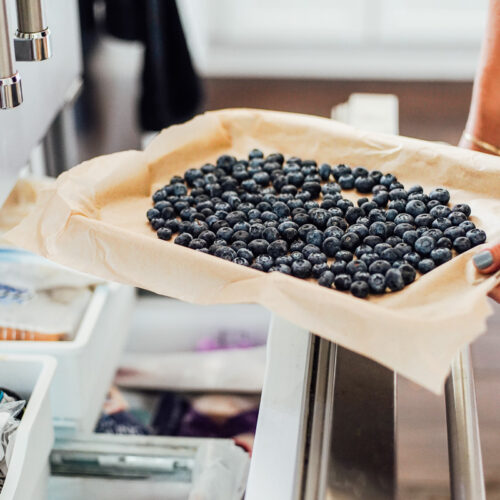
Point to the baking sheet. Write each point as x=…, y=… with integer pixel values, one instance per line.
x=93, y=219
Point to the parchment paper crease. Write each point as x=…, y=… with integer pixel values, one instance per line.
x=93, y=219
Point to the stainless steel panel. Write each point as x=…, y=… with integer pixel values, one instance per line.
x=45, y=88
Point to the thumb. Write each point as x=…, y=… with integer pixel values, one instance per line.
x=488, y=260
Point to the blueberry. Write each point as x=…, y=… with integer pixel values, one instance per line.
x=434, y=233
x=258, y=246
x=157, y=223
x=361, y=276
x=346, y=181
x=330, y=188
x=305, y=229
x=376, y=283
x=276, y=249
x=416, y=189
x=387, y=179
x=390, y=255
x=381, y=199
x=340, y=170
x=334, y=231
x=440, y=211
x=391, y=214
x=398, y=194
x=462, y=207
x=338, y=267
x=379, y=267
x=441, y=195
x=380, y=247
x=226, y=253
x=266, y=261
x=372, y=240
x=281, y=268
x=353, y=214
x=404, y=219
x=245, y=253
x=301, y=268
x=343, y=281
x=296, y=255
x=153, y=213
x=399, y=205
x=360, y=230
x=369, y=258
x=369, y=206
x=310, y=249
x=424, y=220
x=444, y=242
x=241, y=236
x=394, y=280
x=226, y=233
x=378, y=229
x=457, y=217
x=467, y=225
x=355, y=266
x=376, y=215
x=441, y=223
x=431, y=204
x=284, y=259
x=325, y=171
x=441, y=255
x=476, y=236
x=410, y=237
x=408, y=273
x=312, y=187
x=241, y=261
x=350, y=241
x=297, y=246
x=236, y=245
x=360, y=289
x=337, y=221
x=315, y=237
x=364, y=184
x=393, y=240
x=331, y=246
x=462, y=244
x=426, y=265
x=344, y=255
x=454, y=232
x=403, y=249
x=159, y=195
x=362, y=249
x=326, y=279
x=319, y=269
x=255, y=153
x=183, y=239
x=361, y=201
x=424, y=245
x=208, y=236
x=270, y=234
x=317, y=258
x=402, y=228
x=164, y=233
x=413, y=258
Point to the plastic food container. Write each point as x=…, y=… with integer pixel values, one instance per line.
x=86, y=364
x=30, y=377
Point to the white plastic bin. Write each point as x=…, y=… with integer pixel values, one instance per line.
x=30, y=377
x=86, y=364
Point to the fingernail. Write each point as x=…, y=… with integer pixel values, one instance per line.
x=483, y=259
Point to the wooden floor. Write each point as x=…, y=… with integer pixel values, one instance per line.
x=428, y=110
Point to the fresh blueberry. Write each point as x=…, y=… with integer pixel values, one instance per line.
x=355, y=266
x=457, y=217
x=454, y=232
x=381, y=199
x=341, y=170
x=398, y=194
x=353, y=214
x=402, y=228
x=183, y=239
x=284, y=259
x=226, y=253
x=258, y=246
x=281, y=268
x=362, y=249
x=415, y=189
x=266, y=261
x=462, y=244
x=410, y=237
x=467, y=225
x=380, y=247
x=393, y=240
x=361, y=276
x=441, y=255
x=343, y=281
x=462, y=207
x=440, y=211
x=325, y=171
x=315, y=237
x=346, y=181
x=426, y=265
x=326, y=279
x=359, y=229
x=350, y=241
x=317, y=258
x=379, y=267
x=408, y=273
x=390, y=255
x=360, y=289
x=403, y=249
x=319, y=269
x=372, y=240
x=394, y=280
x=277, y=248
x=391, y=214
x=344, y=255
x=441, y=195
x=441, y=223
x=424, y=245
x=387, y=179
x=376, y=283
x=338, y=267
x=364, y=184
x=476, y=236
x=424, y=220
x=376, y=215
x=270, y=234
x=331, y=246
x=434, y=233
x=404, y=219
x=157, y=223
x=164, y=233
x=301, y=268
x=413, y=258
x=444, y=242
x=398, y=205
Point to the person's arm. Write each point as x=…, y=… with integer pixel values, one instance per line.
x=484, y=118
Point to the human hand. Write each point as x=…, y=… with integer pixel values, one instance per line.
x=488, y=261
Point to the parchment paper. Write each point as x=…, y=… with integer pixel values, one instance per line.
x=93, y=219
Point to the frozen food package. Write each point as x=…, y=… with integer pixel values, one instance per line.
x=93, y=219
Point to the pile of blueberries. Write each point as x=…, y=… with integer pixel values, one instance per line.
x=290, y=216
